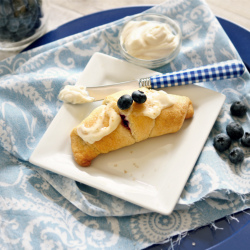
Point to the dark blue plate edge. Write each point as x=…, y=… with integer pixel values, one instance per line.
x=204, y=237
x=239, y=36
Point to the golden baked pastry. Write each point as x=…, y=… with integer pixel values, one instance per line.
x=109, y=128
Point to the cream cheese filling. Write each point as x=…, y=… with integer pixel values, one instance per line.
x=98, y=130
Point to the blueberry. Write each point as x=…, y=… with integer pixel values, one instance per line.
x=236, y=155
x=238, y=109
x=234, y=130
x=40, y=12
x=139, y=96
x=245, y=140
x=26, y=21
x=3, y=21
x=125, y=122
x=37, y=23
x=5, y=8
x=4, y=34
x=124, y=102
x=13, y=25
x=222, y=142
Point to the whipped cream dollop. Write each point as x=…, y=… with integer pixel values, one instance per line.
x=148, y=40
x=76, y=94
x=99, y=130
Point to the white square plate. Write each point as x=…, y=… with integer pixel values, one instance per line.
x=151, y=173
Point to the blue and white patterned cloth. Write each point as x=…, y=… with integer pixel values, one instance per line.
x=43, y=210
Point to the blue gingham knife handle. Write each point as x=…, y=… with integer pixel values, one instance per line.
x=213, y=72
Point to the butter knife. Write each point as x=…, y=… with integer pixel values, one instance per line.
x=213, y=72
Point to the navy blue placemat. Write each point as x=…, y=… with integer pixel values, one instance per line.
x=205, y=237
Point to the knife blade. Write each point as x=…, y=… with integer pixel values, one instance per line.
x=213, y=72
x=100, y=92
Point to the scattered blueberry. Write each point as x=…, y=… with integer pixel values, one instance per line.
x=238, y=109
x=236, y=155
x=124, y=102
x=234, y=130
x=139, y=96
x=245, y=140
x=222, y=142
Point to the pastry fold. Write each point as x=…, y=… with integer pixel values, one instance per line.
x=133, y=127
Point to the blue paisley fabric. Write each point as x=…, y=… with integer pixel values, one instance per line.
x=43, y=210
